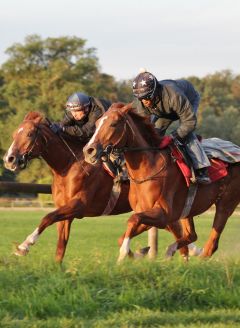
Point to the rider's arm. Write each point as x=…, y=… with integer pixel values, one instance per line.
x=84, y=131
x=187, y=117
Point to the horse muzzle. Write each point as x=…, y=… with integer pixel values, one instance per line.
x=15, y=163
x=93, y=153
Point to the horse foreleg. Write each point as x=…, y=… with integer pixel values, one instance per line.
x=135, y=233
x=176, y=228
x=184, y=240
x=23, y=248
x=63, y=229
x=139, y=222
x=69, y=212
x=190, y=233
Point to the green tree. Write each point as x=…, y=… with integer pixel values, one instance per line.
x=40, y=75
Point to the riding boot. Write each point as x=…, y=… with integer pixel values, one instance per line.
x=202, y=176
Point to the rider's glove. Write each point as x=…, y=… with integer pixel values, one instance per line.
x=165, y=141
x=56, y=128
x=175, y=136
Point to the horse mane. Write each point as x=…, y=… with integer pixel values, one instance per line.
x=34, y=116
x=146, y=128
x=40, y=118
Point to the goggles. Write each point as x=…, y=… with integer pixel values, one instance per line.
x=75, y=107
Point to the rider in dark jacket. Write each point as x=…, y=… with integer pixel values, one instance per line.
x=81, y=115
x=167, y=101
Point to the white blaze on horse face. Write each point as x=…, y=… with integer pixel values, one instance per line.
x=10, y=150
x=91, y=141
x=20, y=130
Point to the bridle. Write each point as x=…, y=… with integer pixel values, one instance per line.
x=27, y=154
x=112, y=148
x=117, y=151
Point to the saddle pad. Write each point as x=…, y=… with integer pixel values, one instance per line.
x=216, y=171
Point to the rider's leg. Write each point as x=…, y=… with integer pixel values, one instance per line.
x=199, y=158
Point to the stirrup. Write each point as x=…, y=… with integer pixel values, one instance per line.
x=203, y=179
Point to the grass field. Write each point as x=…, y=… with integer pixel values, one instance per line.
x=90, y=290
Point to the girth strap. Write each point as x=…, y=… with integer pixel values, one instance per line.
x=115, y=193
x=190, y=199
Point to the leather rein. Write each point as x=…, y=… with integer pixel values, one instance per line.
x=113, y=149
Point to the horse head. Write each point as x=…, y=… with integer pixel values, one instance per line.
x=27, y=142
x=110, y=133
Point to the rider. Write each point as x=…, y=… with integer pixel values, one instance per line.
x=82, y=112
x=81, y=115
x=167, y=101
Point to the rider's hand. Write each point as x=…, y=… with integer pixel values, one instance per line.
x=56, y=128
x=166, y=140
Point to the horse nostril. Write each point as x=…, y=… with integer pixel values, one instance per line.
x=11, y=159
x=91, y=151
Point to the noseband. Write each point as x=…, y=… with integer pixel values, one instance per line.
x=27, y=155
x=112, y=148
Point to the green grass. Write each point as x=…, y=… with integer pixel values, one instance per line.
x=90, y=290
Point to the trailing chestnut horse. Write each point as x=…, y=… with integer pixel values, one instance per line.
x=158, y=190
x=78, y=189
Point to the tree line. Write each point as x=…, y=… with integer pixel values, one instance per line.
x=41, y=74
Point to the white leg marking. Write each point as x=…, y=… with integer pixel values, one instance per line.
x=193, y=250
x=124, y=249
x=30, y=240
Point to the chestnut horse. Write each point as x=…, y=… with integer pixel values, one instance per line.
x=78, y=189
x=158, y=190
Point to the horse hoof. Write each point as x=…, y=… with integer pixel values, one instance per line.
x=142, y=252
x=119, y=261
x=171, y=250
x=185, y=258
x=193, y=250
x=20, y=251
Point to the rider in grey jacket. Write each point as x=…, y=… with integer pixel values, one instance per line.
x=167, y=101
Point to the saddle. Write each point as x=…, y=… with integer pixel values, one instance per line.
x=216, y=171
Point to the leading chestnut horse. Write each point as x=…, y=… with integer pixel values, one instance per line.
x=158, y=190
x=78, y=189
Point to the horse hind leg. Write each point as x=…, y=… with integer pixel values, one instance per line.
x=63, y=229
x=224, y=209
x=74, y=209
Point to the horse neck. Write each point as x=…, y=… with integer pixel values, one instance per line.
x=56, y=153
x=139, y=160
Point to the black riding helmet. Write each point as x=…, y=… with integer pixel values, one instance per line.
x=78, y=101
x=144, y=86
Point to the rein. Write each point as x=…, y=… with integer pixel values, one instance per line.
x=72, y=152
x=117, y=151
x=126, y=149
x=28, y=153
x=151, y=177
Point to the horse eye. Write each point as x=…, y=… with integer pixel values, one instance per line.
x=113, y=124
x=30, y=134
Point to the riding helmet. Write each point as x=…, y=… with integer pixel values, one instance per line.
x=144, y=85
x=78, y=101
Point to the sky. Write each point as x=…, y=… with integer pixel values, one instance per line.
x=170, y=38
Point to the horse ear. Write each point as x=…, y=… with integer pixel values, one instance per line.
x=33, y=116
x=127, y=108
